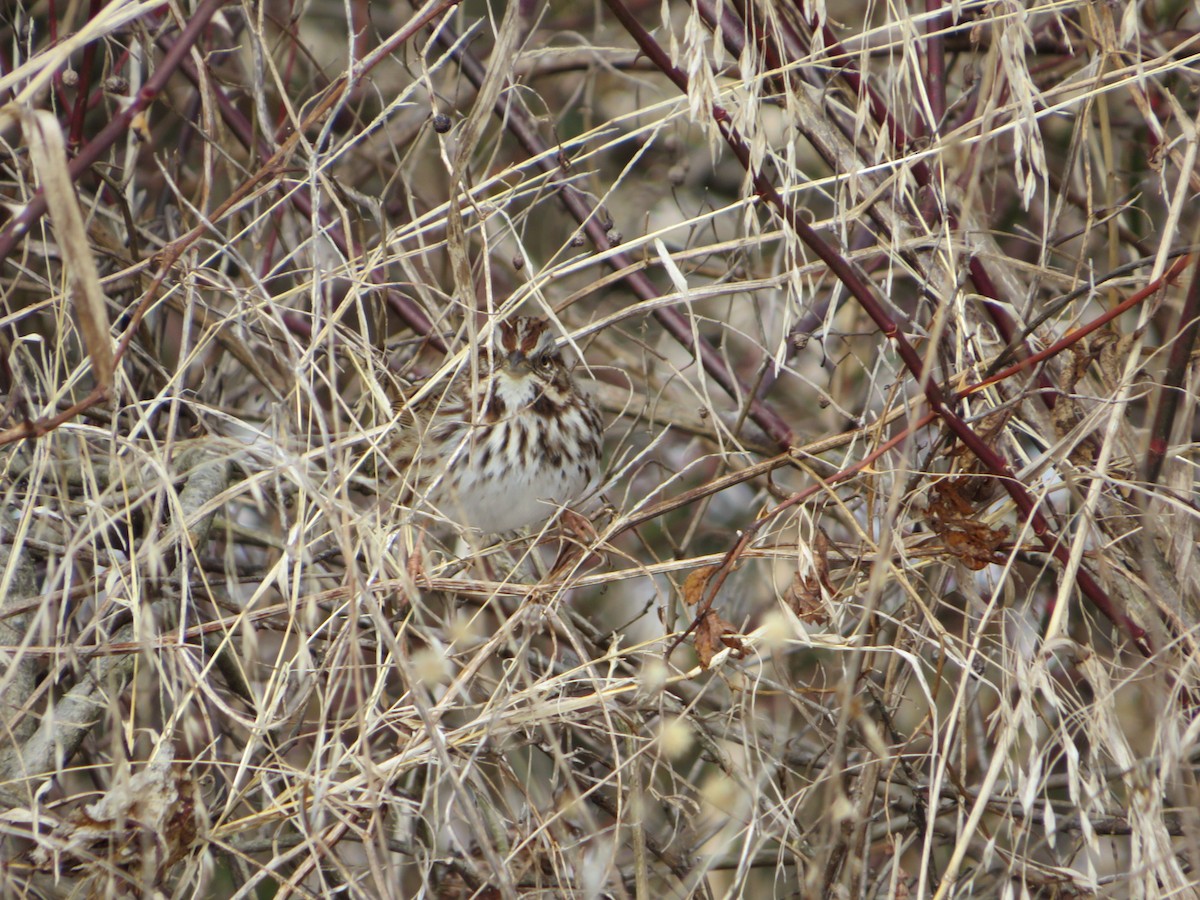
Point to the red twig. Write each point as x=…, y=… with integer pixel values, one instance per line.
x=520, y=125
x=1178, y=363
x=408, y=311
x=935, y=64
x=117, y=127
x=991, y=460
x=83, y=87
x=725, y=567
x=1084, y=330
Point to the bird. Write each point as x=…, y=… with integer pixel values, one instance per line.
x=508, y=449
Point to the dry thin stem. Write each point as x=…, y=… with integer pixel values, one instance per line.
x=890, y=587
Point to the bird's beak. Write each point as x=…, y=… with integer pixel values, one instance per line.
x=518, y=362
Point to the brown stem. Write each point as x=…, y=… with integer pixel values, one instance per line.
x=519, y=124
x=841, y=267
x=83, y=87
x=119, y=125
x=408, y=311
x=1178, y=364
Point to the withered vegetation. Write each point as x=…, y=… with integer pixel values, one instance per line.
x=890, y=588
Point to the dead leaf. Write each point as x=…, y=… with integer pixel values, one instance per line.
x=951, y=514
x=144, y=824
x=713, y=635
x=821, y=558
x=803, y=597
x=696, y=583
x=975, y=545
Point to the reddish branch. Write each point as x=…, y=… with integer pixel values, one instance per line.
x=518, y=122
x=83, y=88
x=836, y=55
x=1178, y=364
x=118, y=127
x=991, y=460
x=300, y=196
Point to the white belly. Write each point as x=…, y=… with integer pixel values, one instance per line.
x=497, y=484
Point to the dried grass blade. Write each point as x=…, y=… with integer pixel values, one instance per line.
x=47, y=150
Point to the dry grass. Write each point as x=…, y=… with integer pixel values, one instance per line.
x=893, y=590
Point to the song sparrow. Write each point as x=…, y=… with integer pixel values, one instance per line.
x=525, y=443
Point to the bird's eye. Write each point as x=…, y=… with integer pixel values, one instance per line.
x=545, y=363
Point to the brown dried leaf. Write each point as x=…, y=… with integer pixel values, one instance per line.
x=948, y=501
x=990, y=427
x=803, y=597
x=696, y=583
x=975, y=545
x=156, y=807
x=713, y=635
x=952, y=517
x=821, y=558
